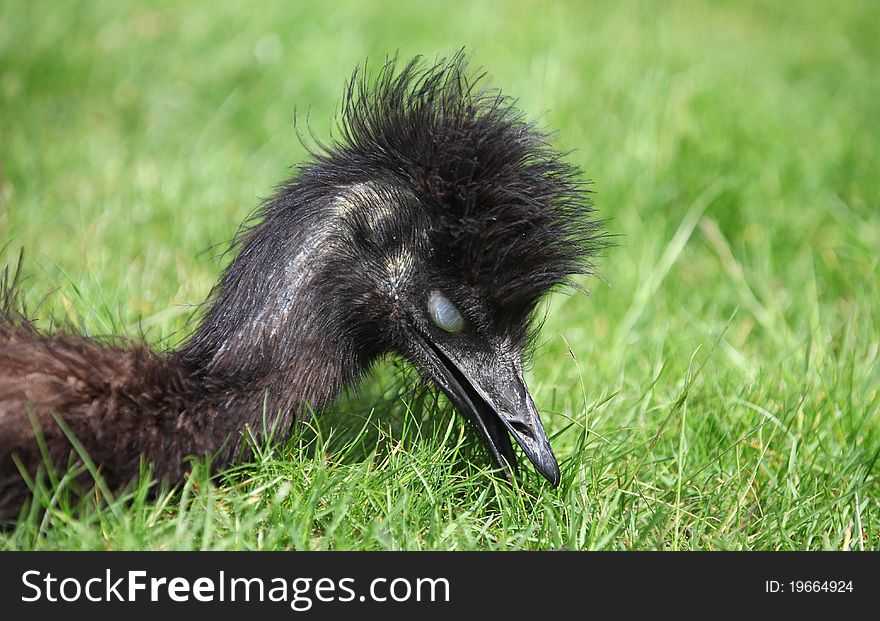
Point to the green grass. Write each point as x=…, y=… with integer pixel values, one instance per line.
x=719, y=389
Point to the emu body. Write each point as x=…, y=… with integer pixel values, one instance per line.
x=429, y=230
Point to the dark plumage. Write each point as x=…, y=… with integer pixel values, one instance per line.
x=437, y=196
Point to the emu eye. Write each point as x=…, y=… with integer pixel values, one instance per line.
x=444, y=314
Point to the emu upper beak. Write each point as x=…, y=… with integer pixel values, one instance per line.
x=488, y=389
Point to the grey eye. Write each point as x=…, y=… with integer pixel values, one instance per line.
x=444, y=314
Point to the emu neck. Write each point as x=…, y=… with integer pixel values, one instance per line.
x=268, y=350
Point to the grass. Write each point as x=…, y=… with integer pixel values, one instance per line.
x=719, y=389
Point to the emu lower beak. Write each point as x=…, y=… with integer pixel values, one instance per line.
x=490, y=392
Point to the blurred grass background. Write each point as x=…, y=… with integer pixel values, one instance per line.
x=726, y=368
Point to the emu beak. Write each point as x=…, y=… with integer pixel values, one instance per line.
x=489, y=391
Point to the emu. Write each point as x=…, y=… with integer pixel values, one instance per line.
x=429, y=229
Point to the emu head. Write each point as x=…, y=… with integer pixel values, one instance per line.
x=430, y=229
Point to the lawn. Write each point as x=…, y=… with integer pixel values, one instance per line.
x=719, y=387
